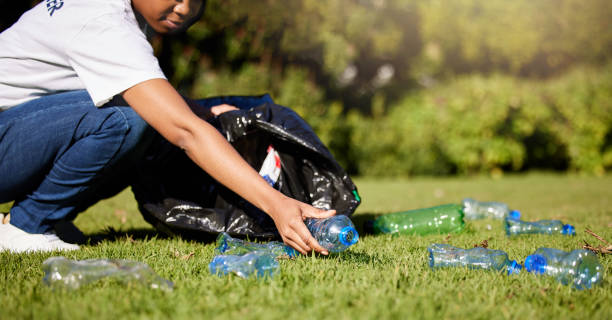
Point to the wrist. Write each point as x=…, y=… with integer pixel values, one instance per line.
x=272, y=203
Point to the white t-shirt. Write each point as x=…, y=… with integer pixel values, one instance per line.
x=63, y=45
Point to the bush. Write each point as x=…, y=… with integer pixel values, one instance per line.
x=492, y=124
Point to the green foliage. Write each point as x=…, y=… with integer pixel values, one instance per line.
x=582, y=119
x=492, y=124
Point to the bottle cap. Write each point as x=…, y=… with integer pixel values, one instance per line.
x=568, y=230
x=514, y=267
x=514, y=214
x=535, y=263
x=348, y=236
x=290, y=252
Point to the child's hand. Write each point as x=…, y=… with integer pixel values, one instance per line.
x=219, y=109
x=289, y=218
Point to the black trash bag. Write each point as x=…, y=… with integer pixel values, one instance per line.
x=179, y=198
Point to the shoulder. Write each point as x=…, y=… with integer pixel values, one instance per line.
x=86, y=8
x=69, y=16
x=75, y=13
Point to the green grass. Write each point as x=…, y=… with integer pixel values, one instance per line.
x=382, y=277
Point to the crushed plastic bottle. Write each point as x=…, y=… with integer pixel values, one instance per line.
x=257, y=263
x=445, y=255
x=474, y=210
x=435, y=220
x=335, y=234
x=516, y=227
x=232, y=246
x=580, y=267
x=72, y=274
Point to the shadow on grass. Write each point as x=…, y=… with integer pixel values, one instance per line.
x=112, y=235
x=363, y=223
x=357, y=257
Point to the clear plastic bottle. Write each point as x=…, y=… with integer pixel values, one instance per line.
x=257, y=263
x=580, y=267
x=232, y=246
x=516, y=227
x=435, y=220
x=73, y=274
x=335, y=234
x=445, y=255
x=474, y=210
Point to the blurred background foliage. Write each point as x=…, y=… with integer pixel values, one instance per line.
x=417, y=87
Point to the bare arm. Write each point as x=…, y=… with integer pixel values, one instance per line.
x=164, y=109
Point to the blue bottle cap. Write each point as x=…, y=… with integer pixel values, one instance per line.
x=290, y=252
x=535, y=263
x=514, y=267
x=568, y=230
x=348, y=236
x=514, y=214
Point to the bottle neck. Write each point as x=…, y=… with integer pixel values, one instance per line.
x=536, y=263
x=348, y=236
x=569, y=230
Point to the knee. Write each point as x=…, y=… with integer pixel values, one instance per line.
x=137, y=132
x=127, y=128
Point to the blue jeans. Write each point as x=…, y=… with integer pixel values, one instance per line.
x=59, y=154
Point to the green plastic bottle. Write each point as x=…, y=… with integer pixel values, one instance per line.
x=435, y=220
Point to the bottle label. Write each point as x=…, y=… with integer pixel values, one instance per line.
x=271, y=167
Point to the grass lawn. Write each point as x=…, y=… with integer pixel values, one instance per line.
x=382, y=277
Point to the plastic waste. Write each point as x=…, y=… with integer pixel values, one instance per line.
x=271, y=166
x=335, y=234
x=257, y=263
x=179, y=198
x=440, y=219
x=474, y=210
x=73, y=274
x=516, y=227
x=580, y=267
x=232, y=246
x=445, y=255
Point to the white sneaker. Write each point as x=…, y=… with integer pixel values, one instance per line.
x=16, y=240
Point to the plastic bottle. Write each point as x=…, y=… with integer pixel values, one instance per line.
x=435, y=220
x=516, y=227
x=232, y=246
x=445, y=255
x=73, y=274
x=580, y=267
x=482, y=210
x=335, y=234
x=257, y=263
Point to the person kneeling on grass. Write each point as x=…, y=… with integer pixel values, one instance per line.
x=80, y=92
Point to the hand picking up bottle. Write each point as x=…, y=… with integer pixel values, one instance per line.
x=72, y=274
x=516, y=227
x=257, y=263
x=445, y=255
x=435, y=220
x=474, y=210
x=580, y=267
x=232, y=246
x=335, y=234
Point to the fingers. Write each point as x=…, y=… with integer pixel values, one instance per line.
x=310, y=241
x=303, y=241
x=219, y=109
x=294, y=245
x=321, y=214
